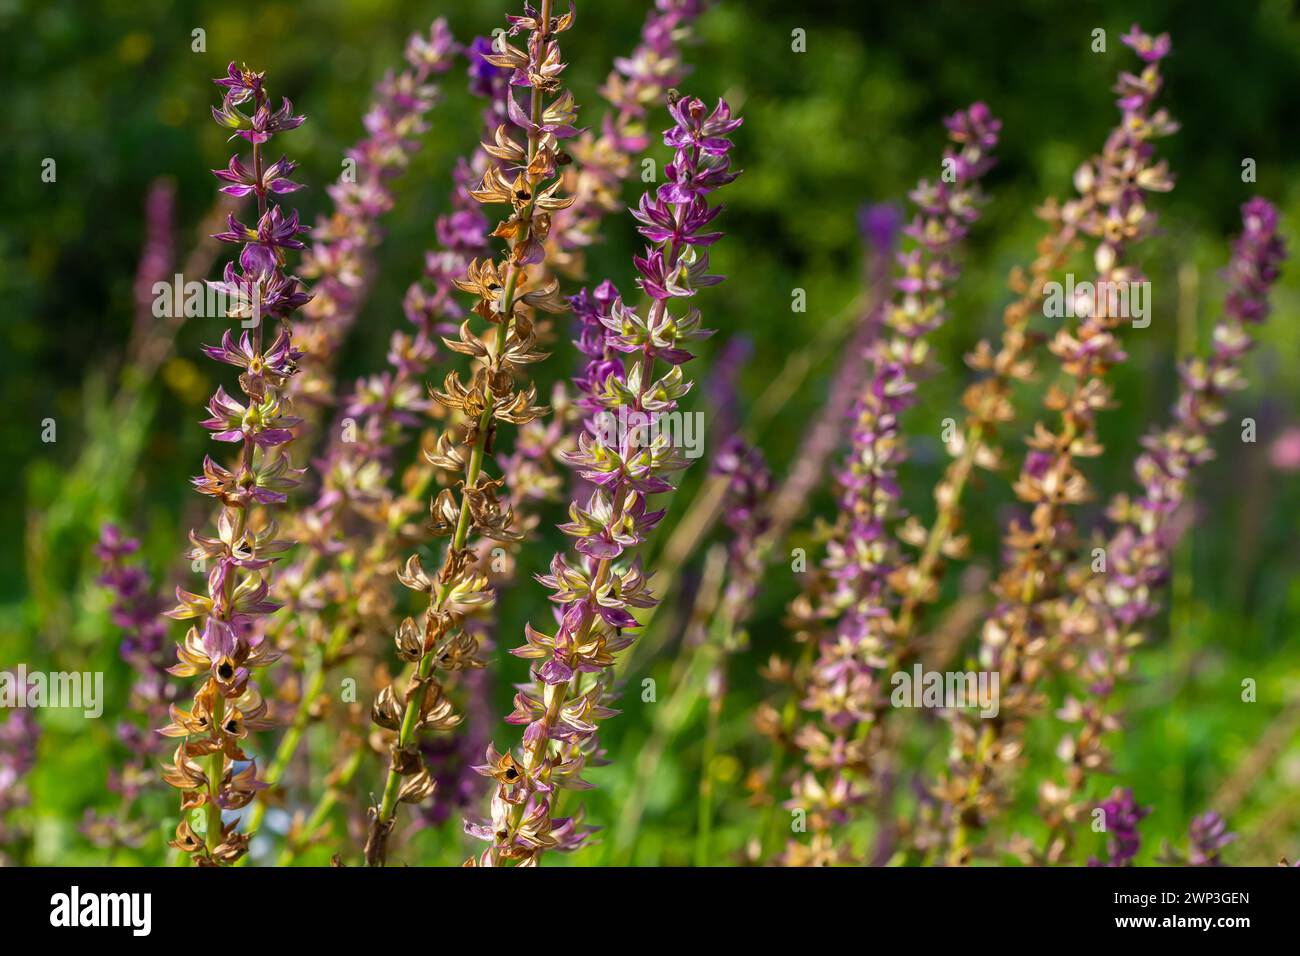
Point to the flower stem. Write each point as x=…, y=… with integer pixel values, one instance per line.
x=216, y=772
x=473, y=467
x=704, y=813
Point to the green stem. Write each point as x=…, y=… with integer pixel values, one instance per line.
x=216, y=772
x=388, y=805
x=668, y=723
x=789, y=714
x=704, y=813
x=411, y=716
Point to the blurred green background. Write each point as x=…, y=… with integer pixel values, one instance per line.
x=113, y=93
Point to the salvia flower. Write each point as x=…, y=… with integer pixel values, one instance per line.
x=137, y=611
x=603, y=156
x=1031, y=593
x=723, y=388
x=340, y=257
x=745, y=515
x=1207, y=835
x=846, y=684
x=880, y=225
x=227, y=642
x=356, y=517
x=596, y=590
x=159, y=247
x=1149, y=49
x=341, y=260
x=526, y=180
x=1111, y=603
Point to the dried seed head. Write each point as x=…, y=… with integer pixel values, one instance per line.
x=387, y=712
x=410, y=642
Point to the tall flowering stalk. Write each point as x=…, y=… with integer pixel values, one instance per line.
x=350, y=524
x=628, y=462
x=846, y=681
x=353, y=465
x=1105, y=609
x=1019, y=636
x=387, y=407
x=387, y=404
x=593, y=178
x=156, y=256
x=340, y=258
x=152, y=340
x=700, y=662
x=989, y=402
x=917, y=582
x=879, y=225
x=601, y=160
x=603, y=157
x=746, y=516
x=531, y=472
x=344, y=579
x=490, y=397
x=227, y=643
x=136, y=610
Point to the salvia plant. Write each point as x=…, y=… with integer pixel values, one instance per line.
x=627, y=460
x=429, y=591
x=225, y=646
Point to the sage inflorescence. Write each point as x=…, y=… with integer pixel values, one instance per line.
x=622, y=452
x=528, y=185
x=136, y=609
x=227, y=642
x=1027, y=625
x=847, y=611
x=1107, y=608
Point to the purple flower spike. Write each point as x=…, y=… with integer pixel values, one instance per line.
x=623, y=454
x=879, y=224
x=1145, y=527
x=226, y=644
x=845, y=685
